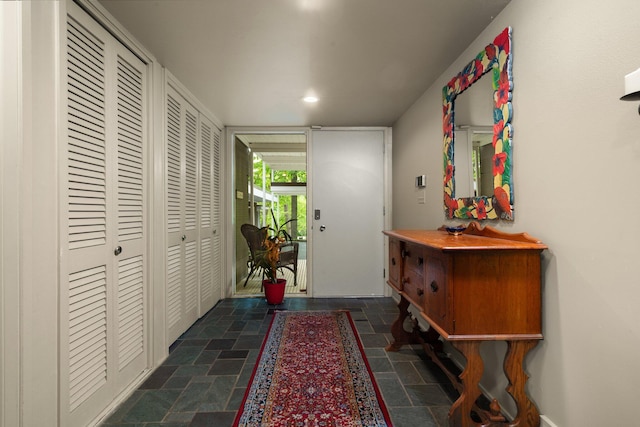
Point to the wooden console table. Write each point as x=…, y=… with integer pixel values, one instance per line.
x=482, y=285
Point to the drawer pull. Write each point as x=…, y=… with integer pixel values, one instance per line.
x=393, y=261
x=434, y=286
x=420, y=292
x=404, y=253
x=420, y=261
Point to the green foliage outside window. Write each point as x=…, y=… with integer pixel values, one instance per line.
x=283, y=208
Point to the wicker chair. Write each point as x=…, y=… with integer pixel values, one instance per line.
x=255, y=240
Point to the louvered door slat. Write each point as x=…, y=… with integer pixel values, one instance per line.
x=216, y=212
x=132, y=149
x=88, y=187
x=174, y=278
x=80, y=112
x=205, y=186
x=191, y=277
x=93, y=346
x=130, y=152
x=81, y=43
x=191, y=171
x=132, y=79
x=206, y=290
x=86, y=51
x=87, y=333
x=82, y=221
x=81, y=167
x=130, y=310
x=130, y=168
x=130, y=172
x=86, y=153
x=80, y=174
x=81, y=102
x=85, y=131
x=85, y=82
x=174, y=175
x=129, y=101
x=86, y=312
x=87, y=204
x=130, y=197
x=87, y=195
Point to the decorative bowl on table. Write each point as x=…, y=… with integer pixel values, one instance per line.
x=455, y=230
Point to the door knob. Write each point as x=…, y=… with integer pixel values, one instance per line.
x=322, y=228
x=183, y=237
x=118, y=250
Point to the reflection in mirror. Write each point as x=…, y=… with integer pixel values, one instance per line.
x=473, y=160
x=465, y=191
x=473, y=151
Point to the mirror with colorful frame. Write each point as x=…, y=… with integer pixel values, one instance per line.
x=495, y=61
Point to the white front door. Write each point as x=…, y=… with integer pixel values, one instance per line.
x=348, y=212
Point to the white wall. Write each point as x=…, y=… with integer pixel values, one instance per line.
x=9, y=213
x=576, y=177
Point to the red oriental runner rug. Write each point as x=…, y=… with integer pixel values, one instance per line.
x=312, y=371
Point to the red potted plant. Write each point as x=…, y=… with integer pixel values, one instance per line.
x=267, y=259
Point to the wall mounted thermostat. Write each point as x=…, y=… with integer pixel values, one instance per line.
x=421, y=181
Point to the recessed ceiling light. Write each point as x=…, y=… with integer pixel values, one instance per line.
x=310, y=99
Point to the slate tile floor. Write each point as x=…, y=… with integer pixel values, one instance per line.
x=203, y=380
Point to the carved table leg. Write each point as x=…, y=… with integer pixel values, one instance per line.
x=528, y=415
x=400, y=335
x=460, y=412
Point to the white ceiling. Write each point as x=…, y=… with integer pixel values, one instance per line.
x=279, y=151
x=250, y=62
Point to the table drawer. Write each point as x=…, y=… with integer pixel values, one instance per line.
x=435, y=289
x=395, y=263
x=413, y=277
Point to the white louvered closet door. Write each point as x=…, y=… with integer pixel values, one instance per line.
x=182, y=214
x=102, y=307
x=209, y=215
x=131, y=227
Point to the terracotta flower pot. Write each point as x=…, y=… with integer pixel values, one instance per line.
x=274, y=291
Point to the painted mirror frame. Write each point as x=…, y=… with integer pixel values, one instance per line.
x=495, y=58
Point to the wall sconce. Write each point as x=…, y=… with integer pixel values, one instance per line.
x=632, y=87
